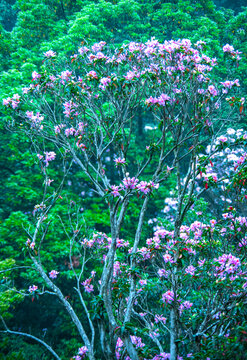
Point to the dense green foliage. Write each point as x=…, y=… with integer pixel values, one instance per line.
x=27, y=30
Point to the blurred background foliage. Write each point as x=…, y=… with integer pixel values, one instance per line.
x=28, y=28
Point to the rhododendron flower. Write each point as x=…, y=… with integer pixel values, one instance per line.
x=137, y=341
x=185, y=305
x=53, y=274
x=49, y=156
x=130, y=183
x=228, y=48
x=65, y=75
x=120, y=161
x=83, y=350
x=212, y=90
x=168, y=297
x=49, y=54
x=83, y=50
x=222, y=139
x=190, y=270
x=32, y=288
x=98, y=46
x=104, y=82
x=115, y=190
x=160, y=318
x=35, y=75
x=143, y=282
x=92, y=74
x=87, y=286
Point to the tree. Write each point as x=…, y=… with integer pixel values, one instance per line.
x=85, y=115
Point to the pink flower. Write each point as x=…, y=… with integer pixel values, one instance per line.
x=120, y=161
x=168, y=297
x=53, y=274
x=137, y=341
x=222, y=139
x=32, y=288
x=212, y=90
x=228, y=48
x=185, y=305
x=213, y=222
x=92, y=74
x=143, y=282
x=162, y=99
x=104, y=82
x=115, y=190
x=168, y=258
x=130, y=183
x=35, y=75
x=6, y=101
x=159, y=318
x=49, y=156
x=83, y=50
x=190, y=270
x=49, y=54
x=98, y=46
x=82, y=351
x=65, y=75
x=87, y=286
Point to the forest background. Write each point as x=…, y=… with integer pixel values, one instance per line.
x=27, y=30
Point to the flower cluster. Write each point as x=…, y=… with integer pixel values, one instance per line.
x=53, y=274
x=162, y=100
x=234, y=54
x=168, y=297
x=32, y=288
x=47, y=157
x=13, y=102
x=82, y=351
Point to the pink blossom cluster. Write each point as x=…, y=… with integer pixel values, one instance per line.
x=53, y=274
x=161, y=100
x=130, y=183
x=168, y=258
x=133, y=184
x=49, y=156
x=82, y=351
x=65, y=76
x=120, y=243
x=69, y=108
x=32, y=288
x=98, y=239
x=190, y=270
x=83, y=50
x=88, y=287
x=119, y=345
x=227, y=85
x=229, y=49
x=30, y=244
x=212, y=90
x=92, y=75
x=49, y=54
x=35, y=120
x=116, y=269
x=137, y=341
x=58, y=128
x=98, y=46
x=228, y=263
x=120, y=161
x=104, y=82
x=168, y=297
x=160, y=318
x=35, y=75
x=13, y=102
x=185, y=305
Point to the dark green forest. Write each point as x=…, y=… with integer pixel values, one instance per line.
x=28, y=30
